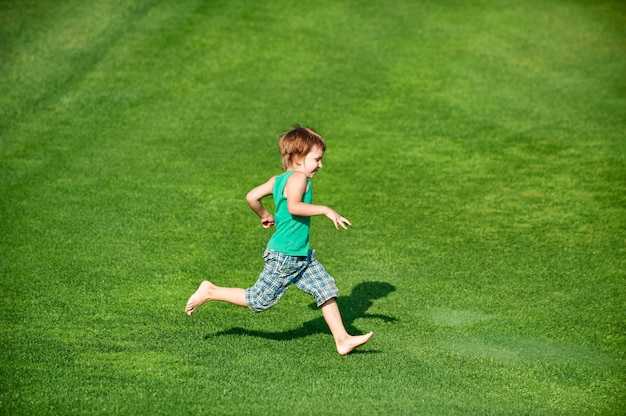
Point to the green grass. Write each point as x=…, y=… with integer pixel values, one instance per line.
x=477, y=146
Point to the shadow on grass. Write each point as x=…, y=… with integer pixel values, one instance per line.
x=352, y=307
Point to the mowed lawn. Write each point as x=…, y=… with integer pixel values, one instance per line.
x=478, y=147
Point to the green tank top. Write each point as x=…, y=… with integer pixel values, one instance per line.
x=292, y=232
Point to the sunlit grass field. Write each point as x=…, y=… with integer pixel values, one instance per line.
x=478, y=147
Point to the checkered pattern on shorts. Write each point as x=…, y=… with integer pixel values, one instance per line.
x=281, y=271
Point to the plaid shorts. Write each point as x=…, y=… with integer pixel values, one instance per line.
x=281, y=271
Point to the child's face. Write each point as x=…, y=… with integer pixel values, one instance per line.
x=312, y=162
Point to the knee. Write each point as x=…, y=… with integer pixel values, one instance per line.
x=259, y=303
x=257, y=306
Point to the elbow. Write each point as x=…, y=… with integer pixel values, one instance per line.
x=252, y=202
x=294, y=209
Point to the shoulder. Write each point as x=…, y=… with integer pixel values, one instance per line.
x=297, y=183
x=295, y=175
x=298, y=179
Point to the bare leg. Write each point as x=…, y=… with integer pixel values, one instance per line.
x=344, y=341
x=208, y=291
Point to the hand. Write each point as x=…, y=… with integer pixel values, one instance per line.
x=267, y=221
x=337, y=219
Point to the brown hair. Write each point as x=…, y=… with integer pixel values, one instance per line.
x=297, y=143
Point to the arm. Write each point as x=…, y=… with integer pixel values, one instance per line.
x=295, y=188
x=253, y=198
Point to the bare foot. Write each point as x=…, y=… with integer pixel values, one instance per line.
x=199, y=297
x=350, y=343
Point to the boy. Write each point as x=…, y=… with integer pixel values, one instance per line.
x=288, y=258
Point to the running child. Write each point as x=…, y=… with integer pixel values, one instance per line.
x=288, y=257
